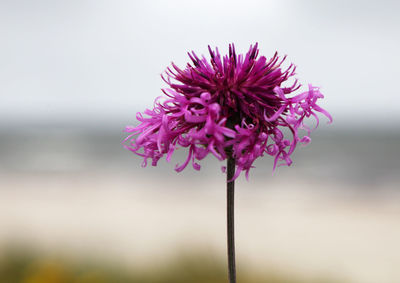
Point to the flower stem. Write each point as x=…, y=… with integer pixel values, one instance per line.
x=230, y=219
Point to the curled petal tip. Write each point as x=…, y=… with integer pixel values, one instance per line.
x=230, y=101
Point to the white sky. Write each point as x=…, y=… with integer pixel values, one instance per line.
x=94, y=61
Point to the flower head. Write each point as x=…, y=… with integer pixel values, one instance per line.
x=232, y=105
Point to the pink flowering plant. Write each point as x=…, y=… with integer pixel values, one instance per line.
x=235, y=107
x=235, y=101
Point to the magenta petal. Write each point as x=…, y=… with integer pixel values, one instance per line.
x=323, y=111
x=276, y=115
x=237, y=102
x=194, y=119
x=179, y=168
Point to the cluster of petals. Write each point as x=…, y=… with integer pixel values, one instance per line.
x=235, y=105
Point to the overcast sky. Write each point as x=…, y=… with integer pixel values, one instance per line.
x=101, y=61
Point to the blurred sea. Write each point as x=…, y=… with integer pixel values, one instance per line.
x=368, y=160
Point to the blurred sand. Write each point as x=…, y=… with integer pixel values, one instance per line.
x=309, y=230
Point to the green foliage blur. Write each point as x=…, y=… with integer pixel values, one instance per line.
x=22, y=266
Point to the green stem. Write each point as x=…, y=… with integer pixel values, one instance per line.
x=230, y=219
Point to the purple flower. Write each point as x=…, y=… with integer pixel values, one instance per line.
x=232, y=105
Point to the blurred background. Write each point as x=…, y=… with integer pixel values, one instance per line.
x=75, y=206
